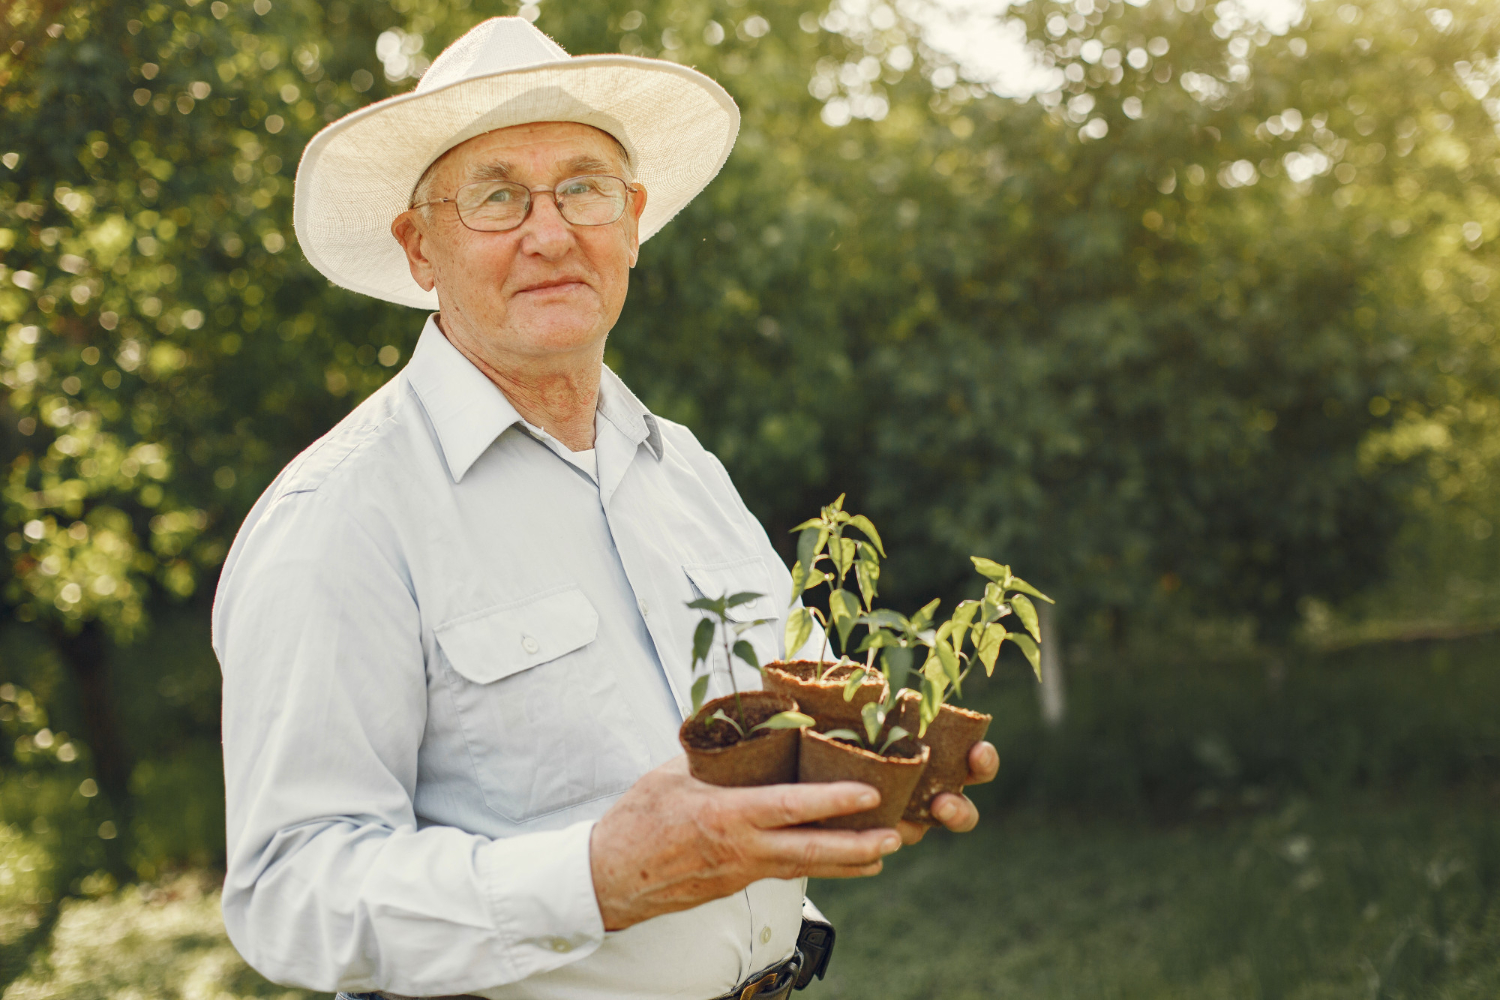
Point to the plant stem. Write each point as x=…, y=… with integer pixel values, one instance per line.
x=739, y=709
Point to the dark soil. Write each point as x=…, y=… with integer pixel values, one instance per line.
x=717, y=733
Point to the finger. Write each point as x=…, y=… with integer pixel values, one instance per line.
x=846, y=872
x=910, y=832
x=955, y=812
x=774, y=806
x=984, y=763
x=795, y=853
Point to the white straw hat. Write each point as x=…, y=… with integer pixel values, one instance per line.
x=357, y=175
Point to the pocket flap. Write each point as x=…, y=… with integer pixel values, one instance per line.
x=722, y=579
x=494, y=643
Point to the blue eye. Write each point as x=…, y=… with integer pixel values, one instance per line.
x=579, y=187
x=500, y=196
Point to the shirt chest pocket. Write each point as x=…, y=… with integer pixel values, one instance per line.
x=538, y=705
x=746, y=575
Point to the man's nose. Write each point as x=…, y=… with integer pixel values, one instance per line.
x=545, y=232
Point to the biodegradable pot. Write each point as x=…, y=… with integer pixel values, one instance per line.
x=823, y=699
x=716, y=753
x=950, y=737
x=894, y=775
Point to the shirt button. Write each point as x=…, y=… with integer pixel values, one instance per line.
x=765, y=934
x=560, y=946
x=645, y=608
x=529, y=644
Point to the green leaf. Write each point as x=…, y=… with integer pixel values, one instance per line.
x=896, y=733
x=799, y=580
x=809, y=544
x=812, y=522
x=799, y=626
x=921, y=619
x=897, y=660
x=721, y=717
x=845, y=734
x=700, y=688
x=711, y=604
x=856, y=678
x=987, y=645
x=863, y=524
x=885, y=618
x=991, y=569
x=743, y=597
x=843, y=551
x=1026, y=611
x=1030, y=649
x=843, y=610
x=867, y=575
x=873, y=715
x=963, y=615
x=786, y=720
x=703, y=639
x=746, y=652
x=1016, y=583
x=949, y=659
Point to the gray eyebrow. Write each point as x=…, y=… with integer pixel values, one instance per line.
x=501, y=171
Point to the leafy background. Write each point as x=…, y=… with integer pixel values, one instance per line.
x=1198, y=335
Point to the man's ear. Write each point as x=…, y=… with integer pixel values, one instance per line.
x=411, y=233
x=637, y=206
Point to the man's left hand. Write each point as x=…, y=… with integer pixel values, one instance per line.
x=956, y=812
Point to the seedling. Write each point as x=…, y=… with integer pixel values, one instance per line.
x=977, y=625
x=821, y=540
x=716, y=623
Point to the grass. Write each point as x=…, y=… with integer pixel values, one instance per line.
x=1247, y=828
x=1368, y=899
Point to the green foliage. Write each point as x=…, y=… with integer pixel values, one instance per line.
x=717, y=621
x=821, y=540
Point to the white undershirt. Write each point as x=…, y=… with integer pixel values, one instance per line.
x=587, y=461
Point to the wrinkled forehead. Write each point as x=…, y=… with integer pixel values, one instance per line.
x=523, y=149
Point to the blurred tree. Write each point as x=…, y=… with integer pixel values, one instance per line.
x=1134, y=332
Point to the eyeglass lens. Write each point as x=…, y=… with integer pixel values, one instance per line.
x=493, y=206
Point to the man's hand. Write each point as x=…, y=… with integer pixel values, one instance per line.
x=956, y=812
x=672, y=842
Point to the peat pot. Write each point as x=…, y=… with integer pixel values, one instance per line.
x=949, y=737
x=823, y=699
x=894, y=775
x=716, y=753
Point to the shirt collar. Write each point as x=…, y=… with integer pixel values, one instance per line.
x=469, y=412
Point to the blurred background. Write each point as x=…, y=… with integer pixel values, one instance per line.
x=1181, y=309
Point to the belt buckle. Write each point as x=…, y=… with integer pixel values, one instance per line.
x=772, y=984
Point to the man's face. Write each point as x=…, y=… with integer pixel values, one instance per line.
x=545, y=287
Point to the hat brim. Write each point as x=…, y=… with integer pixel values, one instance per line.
x=357, y=174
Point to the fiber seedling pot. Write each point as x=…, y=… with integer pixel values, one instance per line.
x=823, y=699
x=949, y=737
x=716, y=753
x=894, y=776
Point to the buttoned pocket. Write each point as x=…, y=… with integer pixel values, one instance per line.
x=539, y=705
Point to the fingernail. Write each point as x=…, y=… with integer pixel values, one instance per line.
x=868, y=800
x=890, y=845
x=945, y=812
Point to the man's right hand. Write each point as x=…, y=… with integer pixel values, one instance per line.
x=672, y=842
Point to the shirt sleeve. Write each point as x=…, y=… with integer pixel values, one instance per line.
x=330, y=884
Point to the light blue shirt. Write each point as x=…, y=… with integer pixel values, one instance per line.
x=446, y=652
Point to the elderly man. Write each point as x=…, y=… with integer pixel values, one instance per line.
x=453, y=632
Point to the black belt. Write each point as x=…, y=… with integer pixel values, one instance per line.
x=808, y=960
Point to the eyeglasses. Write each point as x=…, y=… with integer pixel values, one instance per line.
x=496, y=206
